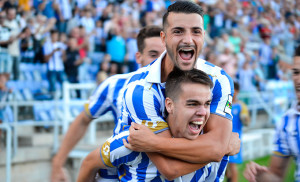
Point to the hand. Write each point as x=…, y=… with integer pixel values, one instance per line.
x=253, y=170
x=59, y=174
x=141, y=138
x=234, y=144
x=57, y=49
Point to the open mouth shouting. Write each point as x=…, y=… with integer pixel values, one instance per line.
x=195, y=127
x=186, y=53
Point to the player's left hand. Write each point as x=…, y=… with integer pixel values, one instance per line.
x=141, y=138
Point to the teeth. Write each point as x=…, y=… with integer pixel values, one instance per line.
x=197, y=122
x=186, y=49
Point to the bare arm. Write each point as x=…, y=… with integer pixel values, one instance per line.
x=209, y=147
x=72, y=137
x=275, y=173
x=89, y=167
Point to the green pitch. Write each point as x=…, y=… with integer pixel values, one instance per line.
x=265, y=161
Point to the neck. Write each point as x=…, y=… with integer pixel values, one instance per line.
x=166, y=68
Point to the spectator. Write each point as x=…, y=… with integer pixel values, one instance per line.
x=72, y=61
x=5, y=40
x=99, y=37
x=27, y=46
x=14, y=48
x=53, y=57
x=64, y=12
x=116, y=48
x=235, y=40
x=131, y=49
x=265, y=56
x=104, y=69
x=273, y=66
x=228, y=62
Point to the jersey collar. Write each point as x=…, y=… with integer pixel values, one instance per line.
x=154, y=75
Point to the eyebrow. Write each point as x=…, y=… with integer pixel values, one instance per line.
x=192, y=100
x=181, y=28
x=153, y=51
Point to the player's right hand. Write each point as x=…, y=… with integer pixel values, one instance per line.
x=59, y=174
x=141, y=138
x=234, y=144
x=253, y=170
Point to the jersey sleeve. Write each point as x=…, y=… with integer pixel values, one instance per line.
x=99, y=103
x=281, y=148
x=113, y=152
x=222, y=94
x=145, y=105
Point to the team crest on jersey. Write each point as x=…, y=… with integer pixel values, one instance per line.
x=228, y=105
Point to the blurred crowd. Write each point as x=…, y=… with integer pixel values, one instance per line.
x=253, y=41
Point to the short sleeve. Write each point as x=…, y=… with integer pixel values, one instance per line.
x=145, y=105
x=99, y=102
x=222, y=94
x=113, y=152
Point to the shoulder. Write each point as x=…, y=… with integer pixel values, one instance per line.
x=212, y=70
x=221, y=80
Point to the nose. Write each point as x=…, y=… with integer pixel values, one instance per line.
x=187, y=39
x=201, y=111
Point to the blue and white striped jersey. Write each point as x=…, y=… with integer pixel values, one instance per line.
x=107, y=97
x=144, y=97
x=136, y=166
x=287, y=138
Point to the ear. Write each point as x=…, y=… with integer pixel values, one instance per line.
x=163, y=37
x=138, y=57
x=169, y=105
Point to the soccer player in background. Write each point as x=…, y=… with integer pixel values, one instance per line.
x=188, y=98
x=143, y=103
x=287, y=140
x=241, y=117
x=106, y=98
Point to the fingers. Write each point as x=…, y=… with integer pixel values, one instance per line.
x=126, y=144
x=252, y=170
x=248, y=174
x=135, y=125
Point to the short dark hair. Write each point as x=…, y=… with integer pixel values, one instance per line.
x=236, y=86
x=147, y=32
x=297, y=51
x=177, y=77
x=53, y=31
x=187, y=7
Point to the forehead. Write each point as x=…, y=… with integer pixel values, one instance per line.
x=153, y=43
x=186, y=20
x=195, y=90
x=296, y=64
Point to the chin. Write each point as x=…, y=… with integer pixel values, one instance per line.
x=192, y=137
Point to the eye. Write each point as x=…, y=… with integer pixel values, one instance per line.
x=177, y=31
x=191, y=104
x=197, y=31
x=207, y=104
x=153, y=55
